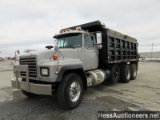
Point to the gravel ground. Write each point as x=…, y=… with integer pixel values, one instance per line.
x=140, y=94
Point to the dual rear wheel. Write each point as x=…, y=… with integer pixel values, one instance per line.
x=124, y=74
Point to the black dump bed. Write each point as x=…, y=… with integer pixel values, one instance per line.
x=117, y=47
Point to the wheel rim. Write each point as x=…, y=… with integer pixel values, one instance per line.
x=74, y=91
x=129, y=74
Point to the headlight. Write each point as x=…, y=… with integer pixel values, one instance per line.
x=44, y=71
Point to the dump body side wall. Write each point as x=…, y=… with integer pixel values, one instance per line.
x=117, y=49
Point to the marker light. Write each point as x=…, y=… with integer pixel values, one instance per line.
x=78, y=28
x=67, y=29
x=64, y=30
x=54, y=57
x=61, y=31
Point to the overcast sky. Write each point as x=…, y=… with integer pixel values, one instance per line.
x=31, y=24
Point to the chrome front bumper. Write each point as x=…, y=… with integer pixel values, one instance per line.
x=17, y=83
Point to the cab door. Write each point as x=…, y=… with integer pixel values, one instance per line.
x=90, y=52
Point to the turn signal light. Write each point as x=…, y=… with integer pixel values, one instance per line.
x=55, y=57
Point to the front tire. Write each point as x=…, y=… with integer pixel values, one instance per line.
x=70, y=91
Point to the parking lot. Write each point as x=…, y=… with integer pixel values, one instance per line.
x=140, y=94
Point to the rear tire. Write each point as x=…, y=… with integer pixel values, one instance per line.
x=114, y=76
x=70, y=91
x=125, y=73
x=133, y=71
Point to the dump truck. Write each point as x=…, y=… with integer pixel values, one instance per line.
x=81, y=56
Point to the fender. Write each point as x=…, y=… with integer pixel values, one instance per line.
x=73, y=68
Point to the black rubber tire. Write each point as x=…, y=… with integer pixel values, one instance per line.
x=63, y=91
x=114, y=75
x=133, y=71
x=125, y=73
x=28, y=94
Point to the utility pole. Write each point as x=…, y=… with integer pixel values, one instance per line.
x=152, y=50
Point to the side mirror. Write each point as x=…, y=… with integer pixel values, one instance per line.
x=99, y=37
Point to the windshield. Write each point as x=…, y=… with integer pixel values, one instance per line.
x=70, y=41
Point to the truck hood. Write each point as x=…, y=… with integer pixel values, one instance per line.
x=47, y=54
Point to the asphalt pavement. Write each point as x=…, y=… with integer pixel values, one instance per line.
x=140, y=94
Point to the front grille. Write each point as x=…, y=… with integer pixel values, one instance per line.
x=32, y=66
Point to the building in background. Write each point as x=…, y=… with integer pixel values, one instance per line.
x=149, y=54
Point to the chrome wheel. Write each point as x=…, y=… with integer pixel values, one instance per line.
x=74, y=91
x=70, y=91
